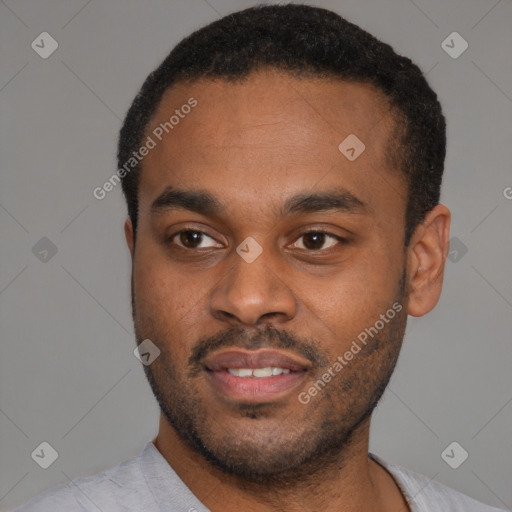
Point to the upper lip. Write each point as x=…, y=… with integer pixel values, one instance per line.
x=261, y=358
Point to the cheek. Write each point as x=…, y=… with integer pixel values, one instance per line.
x=343, y=304
x=162, y=292
x=164, y=306
x=170, y=298
x=155, y=288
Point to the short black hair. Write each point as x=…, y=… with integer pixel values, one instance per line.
x=305, y=41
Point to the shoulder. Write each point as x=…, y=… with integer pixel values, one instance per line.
x=425, y=494
x=112, y=490
x=61, y=497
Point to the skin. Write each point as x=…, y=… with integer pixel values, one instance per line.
x=253, y=145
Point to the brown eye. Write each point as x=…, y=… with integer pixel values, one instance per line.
x=315, y=240
x=191, y=239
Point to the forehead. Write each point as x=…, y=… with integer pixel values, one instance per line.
x=269, y=134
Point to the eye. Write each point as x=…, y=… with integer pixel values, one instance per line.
x=315, y=240
x=192, y=239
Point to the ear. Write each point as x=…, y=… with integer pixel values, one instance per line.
x=426, y=257
x=128, y=233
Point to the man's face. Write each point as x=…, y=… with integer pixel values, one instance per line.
x=260, y=148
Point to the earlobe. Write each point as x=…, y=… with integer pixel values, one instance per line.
x=426, y=258
x=128, y=233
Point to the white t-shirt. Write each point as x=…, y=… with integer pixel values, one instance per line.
x=147, y=483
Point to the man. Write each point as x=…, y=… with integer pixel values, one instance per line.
x=282, y=170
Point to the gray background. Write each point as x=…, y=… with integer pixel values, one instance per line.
x=68, y=374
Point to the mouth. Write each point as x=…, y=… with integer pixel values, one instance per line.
x=255, y=376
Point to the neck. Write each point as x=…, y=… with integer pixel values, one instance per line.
x=350, y=481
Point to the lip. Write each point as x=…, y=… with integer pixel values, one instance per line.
x=231, y=358
x=251, y=389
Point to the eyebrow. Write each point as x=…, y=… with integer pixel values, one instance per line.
x=340, y=200
x=206, y=204
x=197, y=201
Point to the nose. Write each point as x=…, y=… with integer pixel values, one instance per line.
x=253, y=293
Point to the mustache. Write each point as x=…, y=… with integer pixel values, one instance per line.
x=268, y=337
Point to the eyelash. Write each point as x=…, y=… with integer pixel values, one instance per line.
x=340, y=239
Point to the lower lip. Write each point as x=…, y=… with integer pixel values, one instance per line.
x=255, y=389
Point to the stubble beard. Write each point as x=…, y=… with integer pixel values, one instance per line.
x=314, y=437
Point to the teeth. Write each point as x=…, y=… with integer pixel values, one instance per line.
x=258, y=372
x=262, y=372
